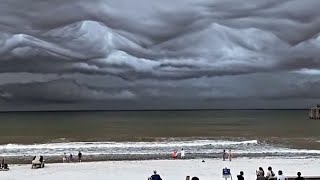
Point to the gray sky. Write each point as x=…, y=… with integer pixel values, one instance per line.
x=151, y=54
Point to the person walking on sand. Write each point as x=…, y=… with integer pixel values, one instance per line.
x=79, y=156
x=230, y=155
x=281, y=176
x=155, y=176
x=182, y=154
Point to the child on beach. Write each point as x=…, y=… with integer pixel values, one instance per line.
x=182, y=154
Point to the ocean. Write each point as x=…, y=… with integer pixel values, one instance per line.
x=155, y=134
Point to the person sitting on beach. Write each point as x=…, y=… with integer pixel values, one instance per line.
x=155, y=176
x=195, y=178
x=260, y=177
x=182, y=154
x=299, y=176
x=79, y=156
x=260, y=172
x=240, y=177
x=281, y=176
x=270, y=173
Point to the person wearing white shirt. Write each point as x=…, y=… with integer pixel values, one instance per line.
x=281, y=176
x=182, y=154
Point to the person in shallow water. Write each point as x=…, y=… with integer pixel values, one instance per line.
x=224, y=154
x=70, y=158
x=174, y=154
x=240, y=177
x=79, y=156
x=182, y=153
x=155, y=176
x=230, y=155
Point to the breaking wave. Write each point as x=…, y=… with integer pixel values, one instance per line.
x=197, y=148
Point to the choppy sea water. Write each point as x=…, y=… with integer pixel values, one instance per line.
x=248, y=133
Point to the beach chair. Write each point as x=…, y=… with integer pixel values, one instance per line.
x=37, y=162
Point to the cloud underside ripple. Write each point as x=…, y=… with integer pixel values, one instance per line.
x=78, y=51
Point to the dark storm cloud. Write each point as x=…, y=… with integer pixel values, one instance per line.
x=146, y=49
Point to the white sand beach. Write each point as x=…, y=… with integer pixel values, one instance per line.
x=168, y=169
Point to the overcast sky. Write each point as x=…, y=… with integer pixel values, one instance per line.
x=151, y=54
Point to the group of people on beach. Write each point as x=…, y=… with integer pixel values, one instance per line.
x=270, y=175
x=69, y=158
x=226, y=155
x=174, y=154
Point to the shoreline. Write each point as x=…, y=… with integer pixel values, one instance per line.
x=23, y=160
x=168, y=169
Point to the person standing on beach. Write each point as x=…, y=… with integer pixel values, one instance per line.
x=182, y=154
x=79, y=156
x=155, y=176
x=224, y=154
x=230, y=155
x=281, y=176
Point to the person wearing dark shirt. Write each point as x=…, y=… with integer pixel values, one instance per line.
x=79, y=156
x=240, y=177
x=155, y=176
x=299, y=176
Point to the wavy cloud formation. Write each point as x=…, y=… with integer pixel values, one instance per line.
x=201, y=51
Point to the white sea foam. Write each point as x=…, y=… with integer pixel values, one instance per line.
x=126, y=144
x=202, y=147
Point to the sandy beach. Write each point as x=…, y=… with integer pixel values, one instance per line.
x=168, y=169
